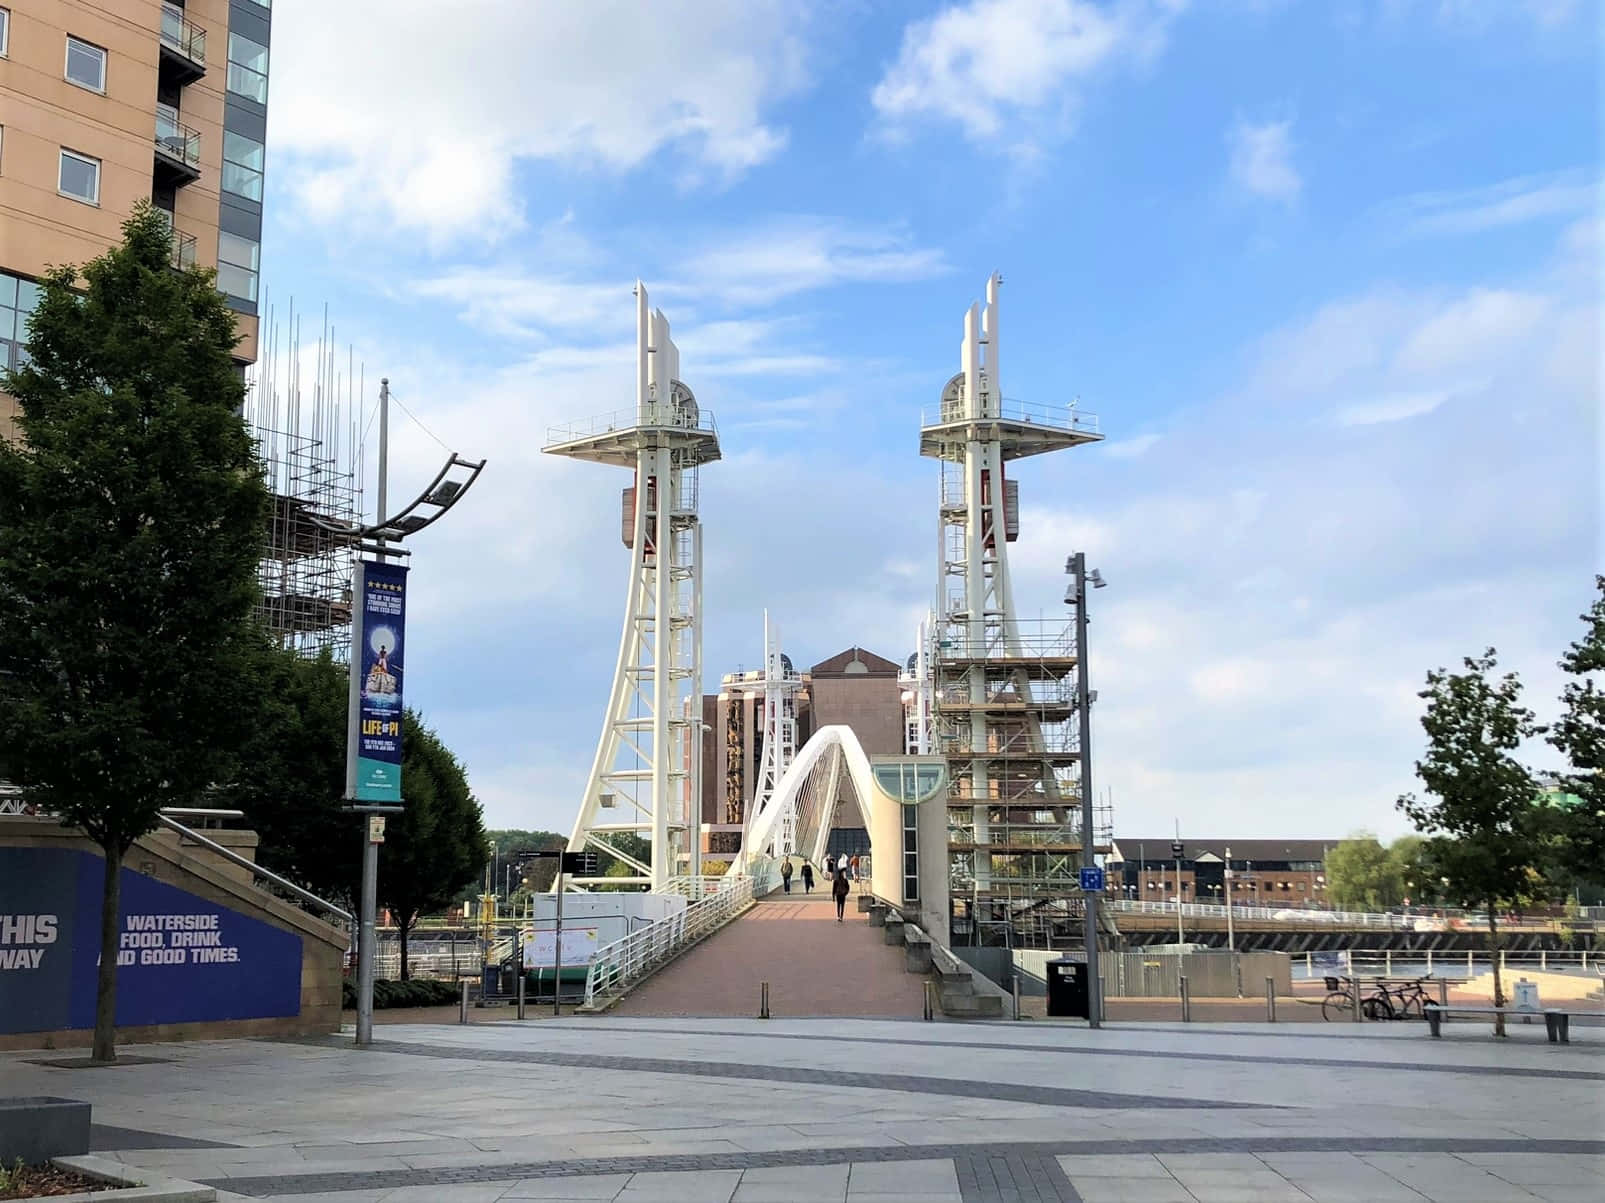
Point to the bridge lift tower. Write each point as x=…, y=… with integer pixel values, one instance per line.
x=1002, y=690
x=650, y=750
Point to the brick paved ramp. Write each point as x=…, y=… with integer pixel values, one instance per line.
x=815, y=967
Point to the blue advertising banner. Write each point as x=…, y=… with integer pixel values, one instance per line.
x=181, y=959
x=374, y=759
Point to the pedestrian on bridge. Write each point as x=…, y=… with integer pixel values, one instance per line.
x=838, y=888
x=785, y=875
x=808, y=878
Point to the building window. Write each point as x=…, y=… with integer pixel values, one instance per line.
x=247, y=68
x=5, y=32
x=86, y=65
x=18, y=297
x=242, y=165
x=911, y=857
x=237, y=261
x=79, y=177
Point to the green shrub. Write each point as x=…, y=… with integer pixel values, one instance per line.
x=415, y=993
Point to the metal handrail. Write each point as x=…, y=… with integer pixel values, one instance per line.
x=623, y=962
x=183, y=35
x=654, y=413
x=233, y=857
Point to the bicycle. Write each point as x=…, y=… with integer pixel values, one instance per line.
x=1339, y=1002
x=1412, y=1000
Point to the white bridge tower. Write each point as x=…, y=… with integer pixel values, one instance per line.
x=780, y=686
x=651, y=747
x=1002, y=689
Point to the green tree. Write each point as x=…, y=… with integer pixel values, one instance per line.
x=1362, y=875
x=512, y=845
x=1480, y=811
x=436, y=846
x=131, y=519
x=1579, y=830
x=293, y=776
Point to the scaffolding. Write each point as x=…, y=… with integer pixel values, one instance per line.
x=303, y=413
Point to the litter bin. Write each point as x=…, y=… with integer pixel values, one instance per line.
x=1067, y=989
x=490, y=982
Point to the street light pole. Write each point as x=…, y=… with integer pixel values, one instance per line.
x=1231, y=936
x=1078, y=571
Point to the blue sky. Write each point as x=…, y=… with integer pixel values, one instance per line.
x=1328, y=273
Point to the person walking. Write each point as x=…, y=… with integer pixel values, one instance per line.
x=852, y=866
x=808, y=878
x=830, y=866
x=785, y=875
x=838, y=889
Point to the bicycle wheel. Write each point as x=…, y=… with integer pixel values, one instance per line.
x=1336, y=1005
x=1376, y=1007
x=1411, y=1007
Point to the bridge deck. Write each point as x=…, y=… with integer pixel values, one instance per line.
x=814, y=967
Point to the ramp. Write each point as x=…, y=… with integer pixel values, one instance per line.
x=814, y=965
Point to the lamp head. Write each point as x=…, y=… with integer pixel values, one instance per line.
x=1096, y=578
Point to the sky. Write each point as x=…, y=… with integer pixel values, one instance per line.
x=1328, y=274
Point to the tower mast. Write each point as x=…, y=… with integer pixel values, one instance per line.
x=650, y=743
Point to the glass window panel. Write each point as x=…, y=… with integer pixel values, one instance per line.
x=8, y=323
x=236, y=281
x=86, y=64
x=242, y=166
x=8, y=289
x=247, y=68
x=247, y=152
x=27, y=296
x=80, y=177
x=242, y=252
x=5, y=30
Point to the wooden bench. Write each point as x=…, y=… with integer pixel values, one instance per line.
x=1556, y=1023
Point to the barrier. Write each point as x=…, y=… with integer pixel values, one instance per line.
x=620, y=965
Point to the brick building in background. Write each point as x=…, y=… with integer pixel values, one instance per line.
x=855, y=688
x=1278, y=873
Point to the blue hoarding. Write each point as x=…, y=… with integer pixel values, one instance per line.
x=375, y=757
x=181, y=958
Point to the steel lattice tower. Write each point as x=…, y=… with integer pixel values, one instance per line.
x=650, y=749
x=1002, y=690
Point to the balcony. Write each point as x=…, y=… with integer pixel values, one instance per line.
x=183, y=48
x=183, y=250
x=178, y=149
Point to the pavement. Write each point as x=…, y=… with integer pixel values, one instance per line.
x=814, y=965
x=738, y=1110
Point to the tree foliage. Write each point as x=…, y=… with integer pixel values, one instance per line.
x=1485, y=836
x=131, y=520
x=293, y=775
x=436, y=846
x=1579, y=847
x=1362, y=875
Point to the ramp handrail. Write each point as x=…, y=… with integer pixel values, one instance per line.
x=258, y=872
x=621, y=964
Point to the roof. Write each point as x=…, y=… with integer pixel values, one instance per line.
x=871, y=665
x=1158, y=848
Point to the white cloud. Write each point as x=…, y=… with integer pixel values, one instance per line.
x=1261, y=160
x=1562, y=194
x=1395, y=408
x=421, y=115
x=1130, y=448
x=988, y=65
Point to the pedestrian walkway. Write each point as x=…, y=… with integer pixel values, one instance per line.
x=814, y=967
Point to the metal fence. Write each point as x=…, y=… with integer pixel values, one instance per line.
x=619, y=965
x=1440, y=919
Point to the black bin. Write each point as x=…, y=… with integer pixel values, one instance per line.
x=1067, y=989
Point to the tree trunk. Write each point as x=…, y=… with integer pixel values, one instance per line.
x=104, y=1051
x=403, y=923
x=1493, y=954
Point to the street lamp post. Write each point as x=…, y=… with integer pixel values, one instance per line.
x=1077, y=596
x=1181, y=935
x=381, y=540
x=1231, y=936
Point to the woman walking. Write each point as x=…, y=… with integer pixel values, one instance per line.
x=808, y=878
x=839, y=888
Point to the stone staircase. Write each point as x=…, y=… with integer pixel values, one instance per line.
x=962, y=992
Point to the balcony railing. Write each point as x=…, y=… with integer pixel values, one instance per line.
x=183, y=250
x=176, y=140
x=183, y=36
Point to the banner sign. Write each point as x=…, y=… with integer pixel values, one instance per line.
x=373, y=755
x=181, y=959
x=579, y=946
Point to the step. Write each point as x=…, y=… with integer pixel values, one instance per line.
x=972, y=1006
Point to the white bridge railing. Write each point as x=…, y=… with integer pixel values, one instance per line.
x=619, y=965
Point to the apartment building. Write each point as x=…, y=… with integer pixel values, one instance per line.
x=107, y=102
